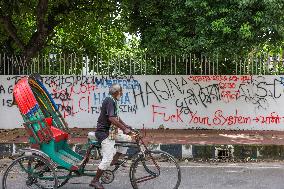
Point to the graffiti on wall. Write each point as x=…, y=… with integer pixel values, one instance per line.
x=210, y=101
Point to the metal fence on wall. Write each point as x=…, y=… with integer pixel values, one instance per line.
x=98, y=64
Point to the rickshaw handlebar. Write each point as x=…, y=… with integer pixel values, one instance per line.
x=137, y=134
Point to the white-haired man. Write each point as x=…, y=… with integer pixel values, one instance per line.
x=108, y=126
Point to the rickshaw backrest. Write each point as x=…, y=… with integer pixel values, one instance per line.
x=40, y=128
x=44, y=123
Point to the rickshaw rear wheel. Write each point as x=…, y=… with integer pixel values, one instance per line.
x=31, y=171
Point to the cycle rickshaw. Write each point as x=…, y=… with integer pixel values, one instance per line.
x=51, y=163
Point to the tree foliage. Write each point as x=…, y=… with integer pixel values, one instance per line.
x=232, y=28
x=227, y=26
x=83, y=26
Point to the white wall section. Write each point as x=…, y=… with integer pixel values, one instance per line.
x=212, y=102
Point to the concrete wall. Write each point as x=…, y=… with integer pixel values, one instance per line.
x=211, y=102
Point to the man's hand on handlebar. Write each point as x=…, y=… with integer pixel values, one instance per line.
x=131, y=132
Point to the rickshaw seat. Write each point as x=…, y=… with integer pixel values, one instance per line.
x=58, y=135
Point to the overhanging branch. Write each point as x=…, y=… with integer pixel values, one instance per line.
x=11, y=30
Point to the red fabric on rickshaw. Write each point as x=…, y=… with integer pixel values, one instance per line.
x=48, y=121
x=58, y=135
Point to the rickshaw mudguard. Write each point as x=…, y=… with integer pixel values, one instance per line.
x=39, y=153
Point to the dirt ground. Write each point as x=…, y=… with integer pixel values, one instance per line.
x=169, y=136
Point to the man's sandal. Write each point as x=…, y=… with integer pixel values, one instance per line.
x=96, y=185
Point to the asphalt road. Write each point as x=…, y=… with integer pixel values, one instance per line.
x=197, y=176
